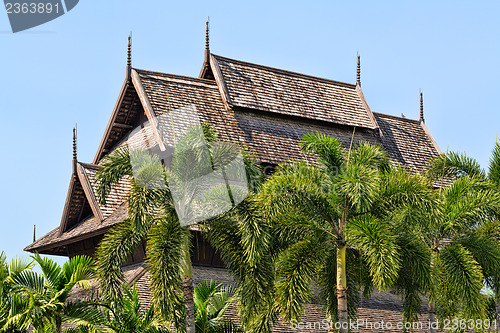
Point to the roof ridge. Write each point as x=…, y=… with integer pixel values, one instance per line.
x=285, y=71
x=201, y=80
x=90, y=165
x=396, y=117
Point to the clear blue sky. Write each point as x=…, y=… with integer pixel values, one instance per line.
x=70, y=70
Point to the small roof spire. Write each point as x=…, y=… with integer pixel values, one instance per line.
x=207, y=42
x=74, y=143
x=207, y=36
x=129, y=55
x=358, y=72
x=75, y=161
x=34, y=233
x=422, y=107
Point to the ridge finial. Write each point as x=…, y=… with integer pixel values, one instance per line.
x=422, y=107
x=129, y=55
x=207, y=35
x=358, y=72
x=74, y=144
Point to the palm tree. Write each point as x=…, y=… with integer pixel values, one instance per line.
x=211, y=302
x=154, y=215
x=244, y=239
x=331, y=222
x=8, y=271
x=468, y=222
x=129, y=316
x=41, y=300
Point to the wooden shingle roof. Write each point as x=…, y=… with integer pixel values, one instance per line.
x=263, y=88
x=265, y=109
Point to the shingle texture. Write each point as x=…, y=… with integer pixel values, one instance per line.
x=116, y=196
x=406, y=141
x=90, y=225
x=274, y=90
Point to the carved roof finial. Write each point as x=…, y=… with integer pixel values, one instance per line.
x=207, y=44
x=34, y=233
x=129, y=51
x=422, y=107
x=129, y=55
x=74, y=143
x=207, y=36
x=358, y=73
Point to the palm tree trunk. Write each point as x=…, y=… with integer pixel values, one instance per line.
x=497, y=308
x=431, y=304
x=58, y=325
x=342, y=287
x=187, y=287
x=431, y=310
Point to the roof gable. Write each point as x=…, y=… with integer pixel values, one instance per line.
x=279, y=91
x=127, y=113
x=407, y=141
x=82, y=197
x=78, y=204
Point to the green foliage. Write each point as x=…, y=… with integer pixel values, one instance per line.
x=211, y=301
x=463, y=234
x=153, y=216
x=40, y=300
x=454, y=165
x=352, y=196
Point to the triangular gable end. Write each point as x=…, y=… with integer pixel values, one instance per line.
x=127, y=114
x=79, y=204
x=131, y=109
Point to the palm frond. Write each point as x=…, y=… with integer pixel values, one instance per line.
x=113, y=251
x=494, y=166
x=369, y=155
x=328, y=149
x=464, y=279
x=166, y=241
x=296, y=268
x=50, y=269
x=454, y=165
x=115, y=166
x=379, y=248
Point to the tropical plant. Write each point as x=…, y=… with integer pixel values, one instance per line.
x=467, y=231
x=244, y=239
x=40, y=300
x=154, y=216
x=211, y=302
x=8, y=271
x=331, y=225
x=126, y=316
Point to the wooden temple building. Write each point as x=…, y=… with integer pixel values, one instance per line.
x=265, y=109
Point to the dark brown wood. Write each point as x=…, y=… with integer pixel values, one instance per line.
x=107, y=132
x=89, y=192
x=124, y=126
